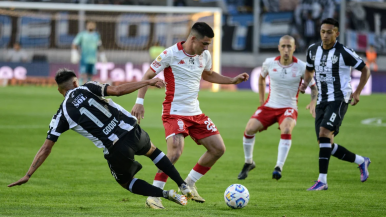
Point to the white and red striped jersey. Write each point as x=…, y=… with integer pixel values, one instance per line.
x=284, y=82
x=182, y=74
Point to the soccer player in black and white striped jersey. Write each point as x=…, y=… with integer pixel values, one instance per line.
x=332, y=63
x=111, y=127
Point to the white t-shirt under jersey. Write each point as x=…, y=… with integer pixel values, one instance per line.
x=182, y=74
x=284, y=82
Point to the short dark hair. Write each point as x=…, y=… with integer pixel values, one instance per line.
x=63, y=75
x=203, y=29
x=331, y=21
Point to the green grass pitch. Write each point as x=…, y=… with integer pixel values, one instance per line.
x=75, y=179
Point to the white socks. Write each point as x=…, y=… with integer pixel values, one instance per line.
x=323, y=178
x=248, y=143
x=284, y=147
x=359, y=159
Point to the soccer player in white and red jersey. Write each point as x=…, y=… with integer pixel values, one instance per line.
x=184, y=64
x=286, y=73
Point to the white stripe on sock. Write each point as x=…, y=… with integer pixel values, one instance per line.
x=131, y=184
x=194, y=175
x=325, y=145
x=359, y=159
x=158, y=158
x=159, y=184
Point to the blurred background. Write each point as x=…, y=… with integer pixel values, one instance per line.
x=36, y=36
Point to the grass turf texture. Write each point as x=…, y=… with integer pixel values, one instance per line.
x=75, y=179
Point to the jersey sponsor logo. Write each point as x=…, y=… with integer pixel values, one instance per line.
x=210, y=125
x=334, y=59
x=79, y=100
x=275, y=70
x=159, y=58
x=325, y=78
x=110, y=126
x=294, y=71
x=180, y=125
x=182, y=62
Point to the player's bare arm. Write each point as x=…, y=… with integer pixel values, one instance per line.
x=308, y=75
x=138, y=110
x=362, y=82
x=40, y=157
x=262, y=86
x=215, y=77
x=127, y=88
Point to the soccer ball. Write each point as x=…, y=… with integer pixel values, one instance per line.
x=236, y=196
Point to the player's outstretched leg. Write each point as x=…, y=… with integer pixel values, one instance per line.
x=195, y=174
x=248, y=144
x=138, y=186
x=342, y=153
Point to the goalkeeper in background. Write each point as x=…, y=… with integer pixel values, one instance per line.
x=90, y=43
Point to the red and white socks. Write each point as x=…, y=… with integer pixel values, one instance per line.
x=248, y=144
x=160, y=180
x=284, y=147
x=196, y=173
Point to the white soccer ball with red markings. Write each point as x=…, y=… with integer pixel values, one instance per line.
x=236, y=196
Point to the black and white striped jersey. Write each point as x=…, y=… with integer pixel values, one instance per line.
x=86, y=111
x=333, y=70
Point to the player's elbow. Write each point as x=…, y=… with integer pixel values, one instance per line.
x=114, y=91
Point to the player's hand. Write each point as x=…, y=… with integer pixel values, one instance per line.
x=20, y=182
x=303, y=87
x=311, y=107
x=138, y=111
x=74, y=56
x=156, y=82
x=354, y=98
x=240, y=78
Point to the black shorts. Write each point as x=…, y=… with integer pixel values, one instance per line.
x=121, y=156
x=330, y=116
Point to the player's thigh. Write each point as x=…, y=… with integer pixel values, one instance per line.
x=287, y=125
x=319, y=115
x=266, y=117
x=214, y=144
x=121, y=162
x=253, y=126
x=175, y=144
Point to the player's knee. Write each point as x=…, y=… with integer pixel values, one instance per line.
x=218, y=151
x=325, y=133
x=174, y=156
x=286, y=130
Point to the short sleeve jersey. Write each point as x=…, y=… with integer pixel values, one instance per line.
x=88, y=43
x=86, y=111
x=182, y=74
x=333, y=70
x=284, y=82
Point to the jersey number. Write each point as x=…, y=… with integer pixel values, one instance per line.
x=92, y=117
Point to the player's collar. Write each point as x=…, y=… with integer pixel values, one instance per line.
x=179, y=46
x=294, y=60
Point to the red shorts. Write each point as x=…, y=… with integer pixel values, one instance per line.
x=268, y=116
x=198, y=126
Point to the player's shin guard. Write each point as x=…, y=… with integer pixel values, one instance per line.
x=324, y=157
x=196, y=173
x=248, y=144
x=284, y=147
x=164, y=164
x=342, y=153
x=138, y=186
